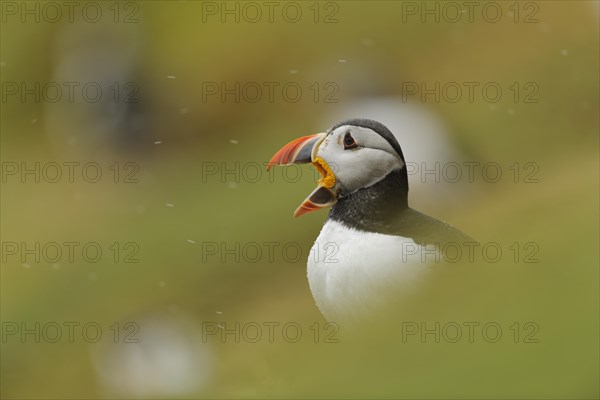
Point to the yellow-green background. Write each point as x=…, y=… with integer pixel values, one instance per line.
x=560, y=213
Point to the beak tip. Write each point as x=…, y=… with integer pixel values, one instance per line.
x=301, y=210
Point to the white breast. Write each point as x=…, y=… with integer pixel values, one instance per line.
x=353, y=274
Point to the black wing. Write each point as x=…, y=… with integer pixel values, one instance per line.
x=423, y=229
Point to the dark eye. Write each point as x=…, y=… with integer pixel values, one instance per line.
x=349, y=142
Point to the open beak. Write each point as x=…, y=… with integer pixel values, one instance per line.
x=304, y=150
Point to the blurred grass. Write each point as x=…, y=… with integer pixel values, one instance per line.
x=560, y=212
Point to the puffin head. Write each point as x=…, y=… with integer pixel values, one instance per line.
x=352, y=155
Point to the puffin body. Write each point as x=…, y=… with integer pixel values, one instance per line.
x=374, y=249
x=355, y=274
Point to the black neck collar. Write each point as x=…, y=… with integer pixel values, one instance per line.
x=370, y=209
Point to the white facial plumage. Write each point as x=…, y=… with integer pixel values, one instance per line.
x=369, y=162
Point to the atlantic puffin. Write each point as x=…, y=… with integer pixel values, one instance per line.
x=373, y=248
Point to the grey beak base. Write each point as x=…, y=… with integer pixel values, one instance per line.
x=304, y=155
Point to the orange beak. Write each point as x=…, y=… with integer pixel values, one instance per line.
x=298, y=151
x=303, y=150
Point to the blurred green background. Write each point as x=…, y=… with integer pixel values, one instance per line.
x=168, y=52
